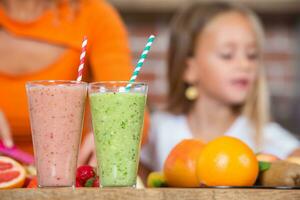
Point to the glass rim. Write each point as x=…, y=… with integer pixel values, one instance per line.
x=62, y=82
x=117, y=82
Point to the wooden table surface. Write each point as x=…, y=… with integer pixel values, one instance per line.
x=151, y=194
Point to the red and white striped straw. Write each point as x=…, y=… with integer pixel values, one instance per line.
x=82, y=58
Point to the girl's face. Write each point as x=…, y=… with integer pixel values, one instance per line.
x=226, y=59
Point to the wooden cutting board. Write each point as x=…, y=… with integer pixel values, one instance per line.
x=149, y=194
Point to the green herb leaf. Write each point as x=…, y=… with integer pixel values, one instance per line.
x=263, y=166
x=89, y=182
x=159, y=183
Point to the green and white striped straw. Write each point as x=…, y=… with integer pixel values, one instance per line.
x=140, y=62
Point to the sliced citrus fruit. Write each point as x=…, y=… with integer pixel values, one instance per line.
x=12, y=174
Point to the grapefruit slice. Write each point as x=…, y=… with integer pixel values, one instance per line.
x=12, y=174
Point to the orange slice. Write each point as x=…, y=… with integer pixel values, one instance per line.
x=12, y=174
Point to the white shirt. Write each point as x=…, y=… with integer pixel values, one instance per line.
x=167, y=130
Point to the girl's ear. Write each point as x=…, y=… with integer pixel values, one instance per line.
x=190, y=74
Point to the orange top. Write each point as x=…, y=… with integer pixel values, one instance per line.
x=108, y=55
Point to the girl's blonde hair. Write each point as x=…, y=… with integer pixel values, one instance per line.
x=185, y=28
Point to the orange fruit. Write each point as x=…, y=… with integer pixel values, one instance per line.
x=227, y=161
x=180, y=165
x=12, y=174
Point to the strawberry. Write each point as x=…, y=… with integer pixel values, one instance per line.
x=84, y=173
x=78, y=184
x=96, y=182
x=26, y=182
x=33, y=183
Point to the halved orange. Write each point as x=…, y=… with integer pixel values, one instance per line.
x=12, y=174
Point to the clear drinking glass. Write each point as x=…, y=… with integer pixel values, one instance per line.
x=56, y=116
x=118, y=118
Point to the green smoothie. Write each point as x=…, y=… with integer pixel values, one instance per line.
x=117, y=122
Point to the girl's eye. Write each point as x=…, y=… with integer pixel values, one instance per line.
x=226, y=56
x=253, y=56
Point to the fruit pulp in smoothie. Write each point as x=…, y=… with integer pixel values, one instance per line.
x=56, y=115
x=117, y=122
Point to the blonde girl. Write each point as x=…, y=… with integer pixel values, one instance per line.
x=216, y=84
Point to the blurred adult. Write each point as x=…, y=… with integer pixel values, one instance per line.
x=41, y=40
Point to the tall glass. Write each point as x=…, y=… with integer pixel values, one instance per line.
x=118, y=117
x=56, y=116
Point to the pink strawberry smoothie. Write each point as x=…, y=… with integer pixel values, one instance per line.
x=56, y=116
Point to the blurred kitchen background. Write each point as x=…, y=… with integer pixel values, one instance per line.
x=281, y=19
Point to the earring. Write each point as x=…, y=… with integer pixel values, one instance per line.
x=191, y=93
